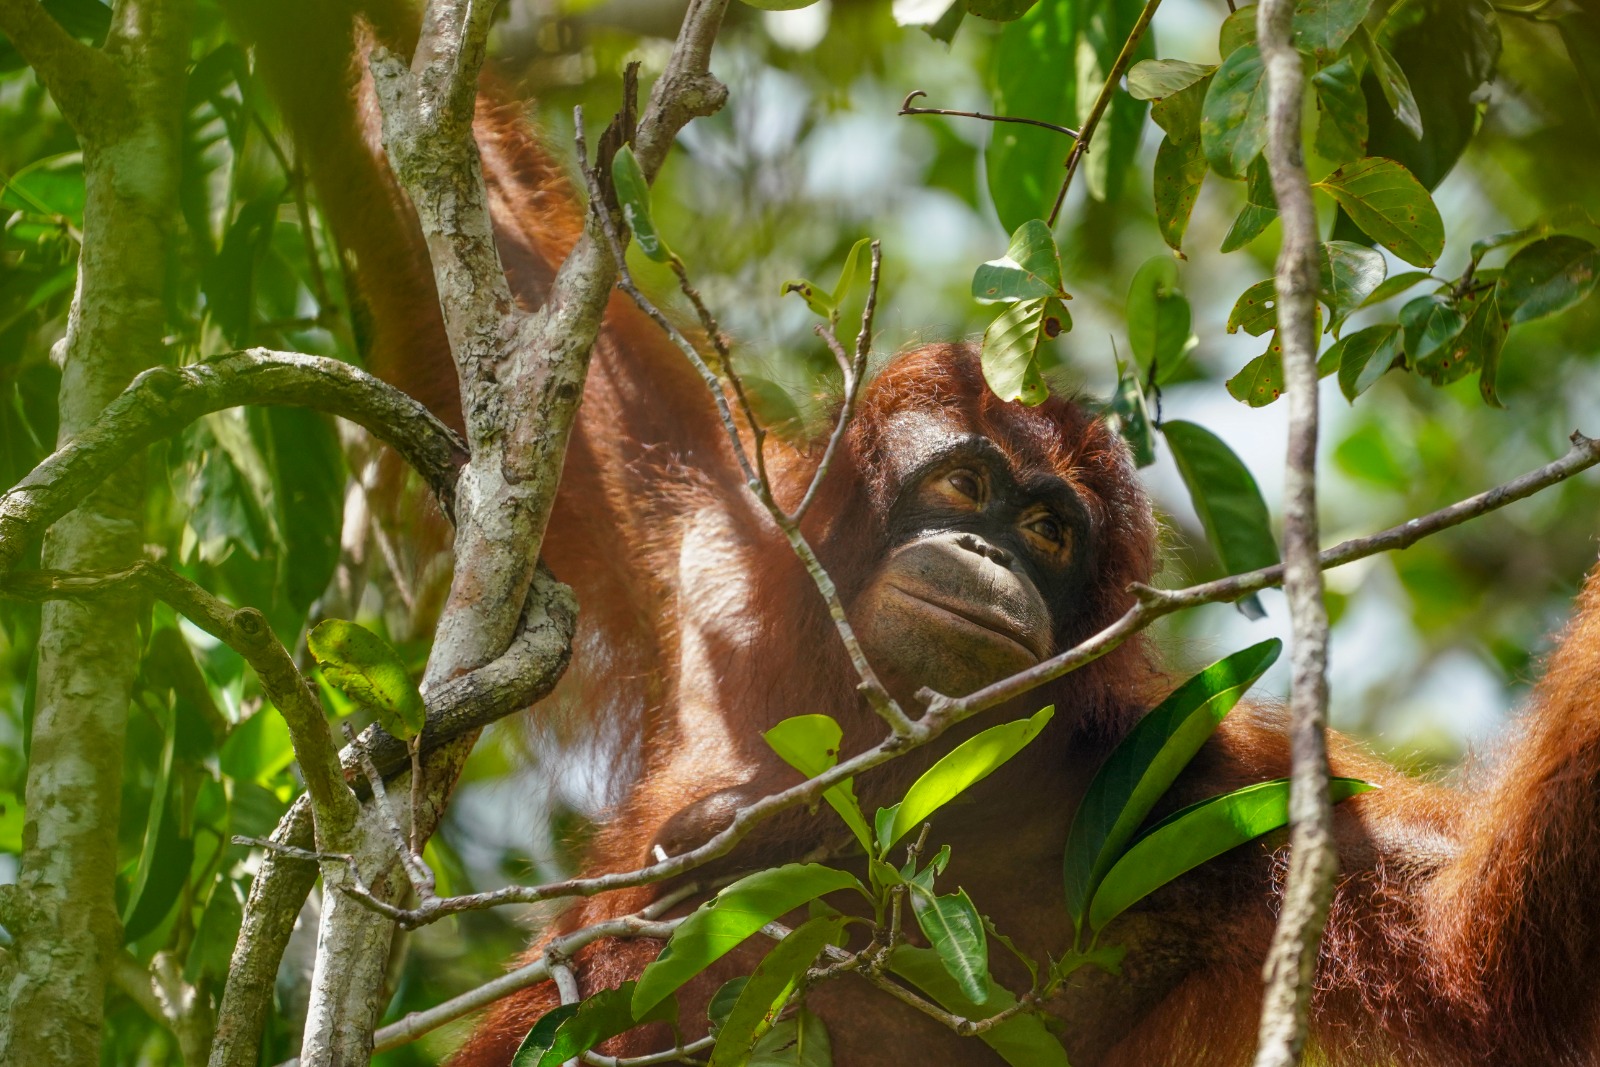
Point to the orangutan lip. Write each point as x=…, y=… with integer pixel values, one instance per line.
x=975, y=619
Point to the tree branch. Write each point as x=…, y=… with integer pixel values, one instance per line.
x=163, y=400
x=77, y=77
x=1290, y=967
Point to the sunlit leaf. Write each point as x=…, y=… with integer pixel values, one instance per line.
x=769, y=988
x=1146, y=763
x=1200, y=832
x=1548, y=276
x=1261, y=381
x=810, y=744
x=719, y=925
x=1256, y=310
x=1396, y=285
x=1225, y=496
x=1010, y=352
x=367, y=669
x=963, y=767
x=1180, y=166
x=1030, y=269
x=1391, y=206
x=1321, y=27
x=952, y=926
x=1156, y=79
x=633, y=192
x=1233, y=126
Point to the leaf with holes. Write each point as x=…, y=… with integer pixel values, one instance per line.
x=1548, y=276
x=1260, y=382
x=1260, y=208
x=1200, y=832
x=1157, y=79
x=1233, y=126
x=1256, y=310
x=1390, y=206
x=1010, y=353
x=1364, y=357
x=1031, y=268
x=1342, y=111
x=369, y=671
x=1146, y=763
x=1225, y=496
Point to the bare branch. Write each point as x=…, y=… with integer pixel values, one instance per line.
x=1291, y=962
x=163, y=400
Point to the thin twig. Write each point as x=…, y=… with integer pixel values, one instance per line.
x=1102, y=102
x=907, y=109
x=421, y=876
x=877, y=695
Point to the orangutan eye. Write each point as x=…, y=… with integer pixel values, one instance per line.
x=967, y=484
x=1048, y=529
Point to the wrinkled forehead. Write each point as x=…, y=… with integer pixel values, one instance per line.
x=911, y=438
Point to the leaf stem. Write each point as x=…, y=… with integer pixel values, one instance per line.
x=907, y=109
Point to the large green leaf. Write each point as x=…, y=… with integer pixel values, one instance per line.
x=1391, y=206
x=1237, y=30
x=1010, y=352
x=1225, y=496
x=1158, y=318
x=810, y=744
x=1548, y=276
x=769, y=988
x=1190, y=837
x=1146, y=763
x=1429, y=324
x=573, y=1029
x=1342, y=107
x=1364, y=357
x=963, y=767
x=1347, y=273
x=1034, y=75
x=369, y=671
x=1394, y=85
x=1103, y=32
x=1180, y=166
x=952, y=926
x=1233, y=126
x=1030, y=269
x=718, y=926
x=1321, y=27
x=798, y=1042
x=1021, y=1040
x=1260, y=208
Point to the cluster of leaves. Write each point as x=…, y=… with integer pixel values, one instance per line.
x=1113, y=859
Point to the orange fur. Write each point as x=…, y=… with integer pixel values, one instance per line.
x=1465, y=924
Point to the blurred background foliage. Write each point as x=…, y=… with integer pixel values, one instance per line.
x=1431, y=647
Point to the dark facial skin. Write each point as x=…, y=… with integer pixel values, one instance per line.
x=981, y=566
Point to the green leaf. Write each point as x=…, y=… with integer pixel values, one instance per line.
x=810, y=744
x=1156, y=79
x=1261, y=381
x=723, y=1000
x=1146, y=763
x=1103, y=32
x=1022, y=1040
x=1260, y=208
x=770, y=987
x=633, y=192
x=1395, y=286
x=1342, y=127
x=1548, y=276
x=1364, y=357
x=817, y=299
x=1582, y=38
x=1391, y=206
x=369, y=671
x=1010, y=353
x=952, y=926
x=1256, y=310
x=719, y=925
x=1233, y=125
x=573, y=1029
x=1395, y=86
x=939, y=19
x=843, y=289
x=1000, y=10
x=1033, y=74
x=1348, y=273
x=1476, y=347
x=799, y=1042
x=1180, y=166
x=1429, y=324
x=1321, y=27
x=1132, y=415
x=1238, y=30
x=11, y=820
x=1031, y=268
x=1158, y=318
x=967, y=764
x=1225, y=497
x=1200, y=832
